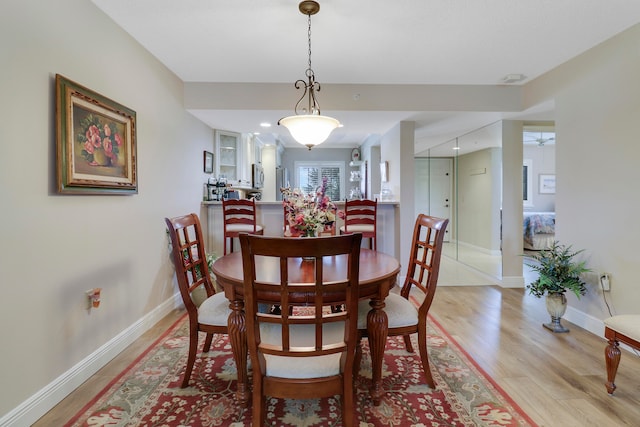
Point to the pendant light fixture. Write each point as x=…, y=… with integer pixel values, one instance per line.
x=309, y=127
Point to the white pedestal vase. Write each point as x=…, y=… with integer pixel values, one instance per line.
x=556, y=306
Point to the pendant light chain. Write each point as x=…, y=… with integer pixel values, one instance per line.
x=309, y=70
x=312, y=86
x=308, y=126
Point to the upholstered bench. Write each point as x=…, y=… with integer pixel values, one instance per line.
x=624, y=329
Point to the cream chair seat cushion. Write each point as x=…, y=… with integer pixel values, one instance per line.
x=302, y=336
x=400, y=311
x=626, y=324
x=359, y=228
x=214, y=310
x=243, y=227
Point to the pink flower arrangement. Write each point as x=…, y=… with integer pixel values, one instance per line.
x=308, y=214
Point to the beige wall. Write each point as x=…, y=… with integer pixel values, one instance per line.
x=397, y=148
x=512, y=240
x=597, y=98
x=479, y=189
x=53, y=248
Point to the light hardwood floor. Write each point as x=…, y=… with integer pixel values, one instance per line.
x=558, y=379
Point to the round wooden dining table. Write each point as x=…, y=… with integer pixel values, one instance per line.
x=377, y=275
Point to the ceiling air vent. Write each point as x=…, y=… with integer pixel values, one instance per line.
x=513, y=78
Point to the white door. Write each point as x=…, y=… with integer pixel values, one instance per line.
x=433, y=189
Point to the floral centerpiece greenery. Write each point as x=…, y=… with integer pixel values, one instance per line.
x=308, y=214
x=557, y=271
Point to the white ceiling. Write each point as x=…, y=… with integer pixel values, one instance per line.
x=368, y=42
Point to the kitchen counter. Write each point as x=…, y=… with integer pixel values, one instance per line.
x=270, y=216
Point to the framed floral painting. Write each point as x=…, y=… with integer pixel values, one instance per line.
x=95, y=142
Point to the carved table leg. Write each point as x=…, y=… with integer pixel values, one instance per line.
x=612, y=359
x=377, y=329
x=238, y=338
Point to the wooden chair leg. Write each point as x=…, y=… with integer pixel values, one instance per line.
x=191, y=359
x=348, y=403
x=407, y=343
x=612, y=360
x=230, y=240
x=424, y=357
x=258, y=403
x=358, y=357
x=207, y=343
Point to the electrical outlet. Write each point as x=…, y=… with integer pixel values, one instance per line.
x=605, y=281
x=93, y=296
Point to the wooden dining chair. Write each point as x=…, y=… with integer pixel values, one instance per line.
x=422, y=276
x=208, y=311
x=239, y=216
x=305, y=351
x=360, y=216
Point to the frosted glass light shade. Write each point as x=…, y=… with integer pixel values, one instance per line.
x=309, y=129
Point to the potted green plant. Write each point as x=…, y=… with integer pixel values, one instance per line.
x=558, y=272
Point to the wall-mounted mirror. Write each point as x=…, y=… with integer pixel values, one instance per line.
x=462, y=180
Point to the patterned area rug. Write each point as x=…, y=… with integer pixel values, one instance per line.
x=148, y=393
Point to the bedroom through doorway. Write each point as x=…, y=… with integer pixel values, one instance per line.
x=538, y=186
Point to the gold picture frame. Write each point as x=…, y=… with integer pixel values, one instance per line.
x=95, y=142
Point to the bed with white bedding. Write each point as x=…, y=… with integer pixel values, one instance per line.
x=539, y=230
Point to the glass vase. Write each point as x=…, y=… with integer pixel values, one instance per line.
x=309, y=232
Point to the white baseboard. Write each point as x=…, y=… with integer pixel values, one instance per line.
x=591, y=324
x=585, y=321
x=40, y=403
x=512, y=282
x=486, y=251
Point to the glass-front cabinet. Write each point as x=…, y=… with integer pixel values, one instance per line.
x=229, y=150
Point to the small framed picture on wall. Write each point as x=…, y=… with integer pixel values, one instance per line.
x=208, y=162
x=547, y=184
x=384, y=171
